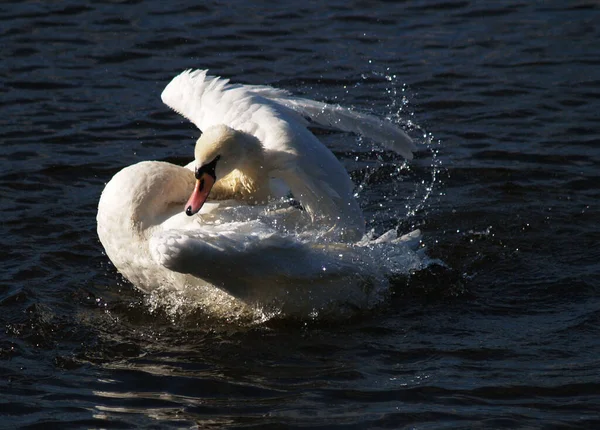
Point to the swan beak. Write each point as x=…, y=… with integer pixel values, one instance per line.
x=203, y=186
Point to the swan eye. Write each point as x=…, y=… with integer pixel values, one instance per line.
x=208, y=168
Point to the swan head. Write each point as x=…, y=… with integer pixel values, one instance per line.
x=218, y=152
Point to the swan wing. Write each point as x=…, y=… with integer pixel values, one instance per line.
x=338, y=117
x=214, y=253
x=244, y=259
x=194, y=95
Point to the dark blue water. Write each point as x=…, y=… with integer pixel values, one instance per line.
x=502, y=333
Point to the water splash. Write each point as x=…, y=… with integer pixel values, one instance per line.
x=399, y=111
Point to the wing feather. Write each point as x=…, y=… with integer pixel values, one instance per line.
x=194, y=93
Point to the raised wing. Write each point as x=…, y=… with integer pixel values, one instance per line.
x=194, y=94
x=337, y=117
x=314, y=175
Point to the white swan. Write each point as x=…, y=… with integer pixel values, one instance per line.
x=257, y=251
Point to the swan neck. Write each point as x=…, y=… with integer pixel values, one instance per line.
x=145, y=194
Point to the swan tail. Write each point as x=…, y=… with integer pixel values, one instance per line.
x=389, y=135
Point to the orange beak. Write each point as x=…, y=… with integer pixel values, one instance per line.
x=203, y=186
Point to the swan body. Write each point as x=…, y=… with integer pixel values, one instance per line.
x=248, y=249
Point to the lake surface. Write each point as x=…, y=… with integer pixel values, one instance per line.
x=502, y=330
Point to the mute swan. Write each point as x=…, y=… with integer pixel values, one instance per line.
x=248, y=250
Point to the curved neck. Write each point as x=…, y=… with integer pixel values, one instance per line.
x=133, y=206
x=167, y=188
x=143, y=195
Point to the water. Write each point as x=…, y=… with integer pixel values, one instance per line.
x=503, y=333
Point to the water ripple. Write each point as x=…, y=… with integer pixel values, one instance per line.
x=501, y=332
